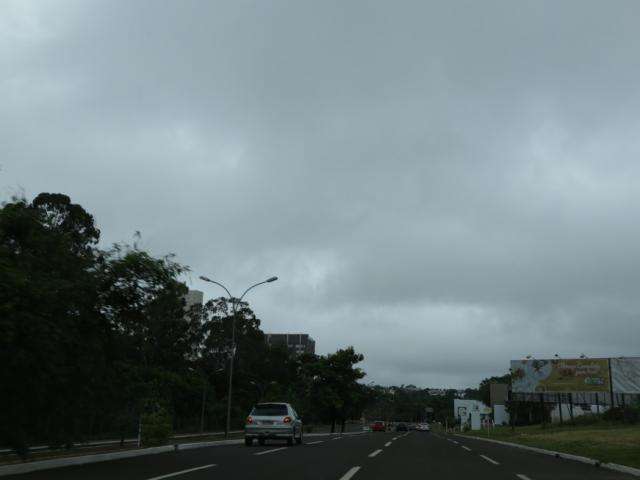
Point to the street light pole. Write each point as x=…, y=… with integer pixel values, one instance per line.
x=234, y=310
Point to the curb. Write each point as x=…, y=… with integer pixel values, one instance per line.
x=566, y=456
x=104, y=457
x=99, y=443
x=81, y=460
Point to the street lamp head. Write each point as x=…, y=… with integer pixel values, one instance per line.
x=272, y=279
x=206, y=279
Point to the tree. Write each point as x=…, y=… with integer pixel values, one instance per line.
x=93, y=340
x=484, y=390
x=332, y=388
x=50, y=346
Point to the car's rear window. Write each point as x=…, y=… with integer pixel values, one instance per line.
x=270, y=410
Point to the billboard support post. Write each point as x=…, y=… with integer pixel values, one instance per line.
x=613, y=402
x=559, y=397
x=622, y=398
x=597, y=404
x=571, y=406
x=512, y=410
x=542, y=411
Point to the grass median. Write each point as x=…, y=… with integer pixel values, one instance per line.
x=606, y=443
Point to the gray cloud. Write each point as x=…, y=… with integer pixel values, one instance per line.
x=444, y=185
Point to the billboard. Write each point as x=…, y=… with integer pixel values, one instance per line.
x=625, y=374
x=561, y=375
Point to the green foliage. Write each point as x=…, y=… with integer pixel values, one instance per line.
x=628, y=415
x=484, y=390
x=156, y=428
x=93, y=339
x=589, y=419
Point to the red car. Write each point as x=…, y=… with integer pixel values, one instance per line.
x=378, y=426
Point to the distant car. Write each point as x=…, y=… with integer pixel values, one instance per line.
x=423, y=427
x=401, y=427
x=378, y=426
x=273, y=421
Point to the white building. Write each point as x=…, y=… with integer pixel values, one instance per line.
x=471, y=413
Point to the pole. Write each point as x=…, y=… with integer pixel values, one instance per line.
x=234, y=302
x=542, y=412
x=571, y=406
x=204, y=402
x=597, y=404
x=560, y=407
x=231, y=358
x=613, y=402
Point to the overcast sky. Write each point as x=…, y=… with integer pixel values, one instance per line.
x=443, y=185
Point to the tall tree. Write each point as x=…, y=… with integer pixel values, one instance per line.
x=50, y=344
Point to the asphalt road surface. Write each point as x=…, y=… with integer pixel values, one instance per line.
x=367, y=456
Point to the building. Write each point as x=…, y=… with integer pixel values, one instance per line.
x=193, y=297
x=298, y=342
x=470, y=413
x=437, y=392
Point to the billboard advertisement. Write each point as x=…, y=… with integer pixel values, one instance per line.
x=625, y=374
x=560, y=375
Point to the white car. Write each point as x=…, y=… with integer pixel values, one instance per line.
x=423, y=427
x=273, y=421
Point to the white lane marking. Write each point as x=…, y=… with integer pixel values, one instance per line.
x=454, y=442
x=394, y=438
x=387, y=444
x=466, y=448
x=269, y=451
x=373, y=454
x=491, y=460
x=337, y=438
x=315, y=443
x=181, y=472
x=522, y=477
x=352, y=471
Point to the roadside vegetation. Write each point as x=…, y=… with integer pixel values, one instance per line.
x=96, y=339
x=594, y=436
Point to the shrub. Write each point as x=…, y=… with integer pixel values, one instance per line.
x=629, y=415
x=156, y=428
x=588, y=419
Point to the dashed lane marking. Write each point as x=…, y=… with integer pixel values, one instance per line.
x=466, y=448
x=387, y=444
x=522, y=477
x=373, y=454
x=352, y=471
x=270, y=451
x=490, y=460
x=181, y=472
x=315, y=443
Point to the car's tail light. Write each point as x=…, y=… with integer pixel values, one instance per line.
x=249, y=420
x=287, y=420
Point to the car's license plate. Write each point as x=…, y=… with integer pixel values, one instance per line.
x=267, y=422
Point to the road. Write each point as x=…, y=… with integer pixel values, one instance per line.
x=368, y=456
